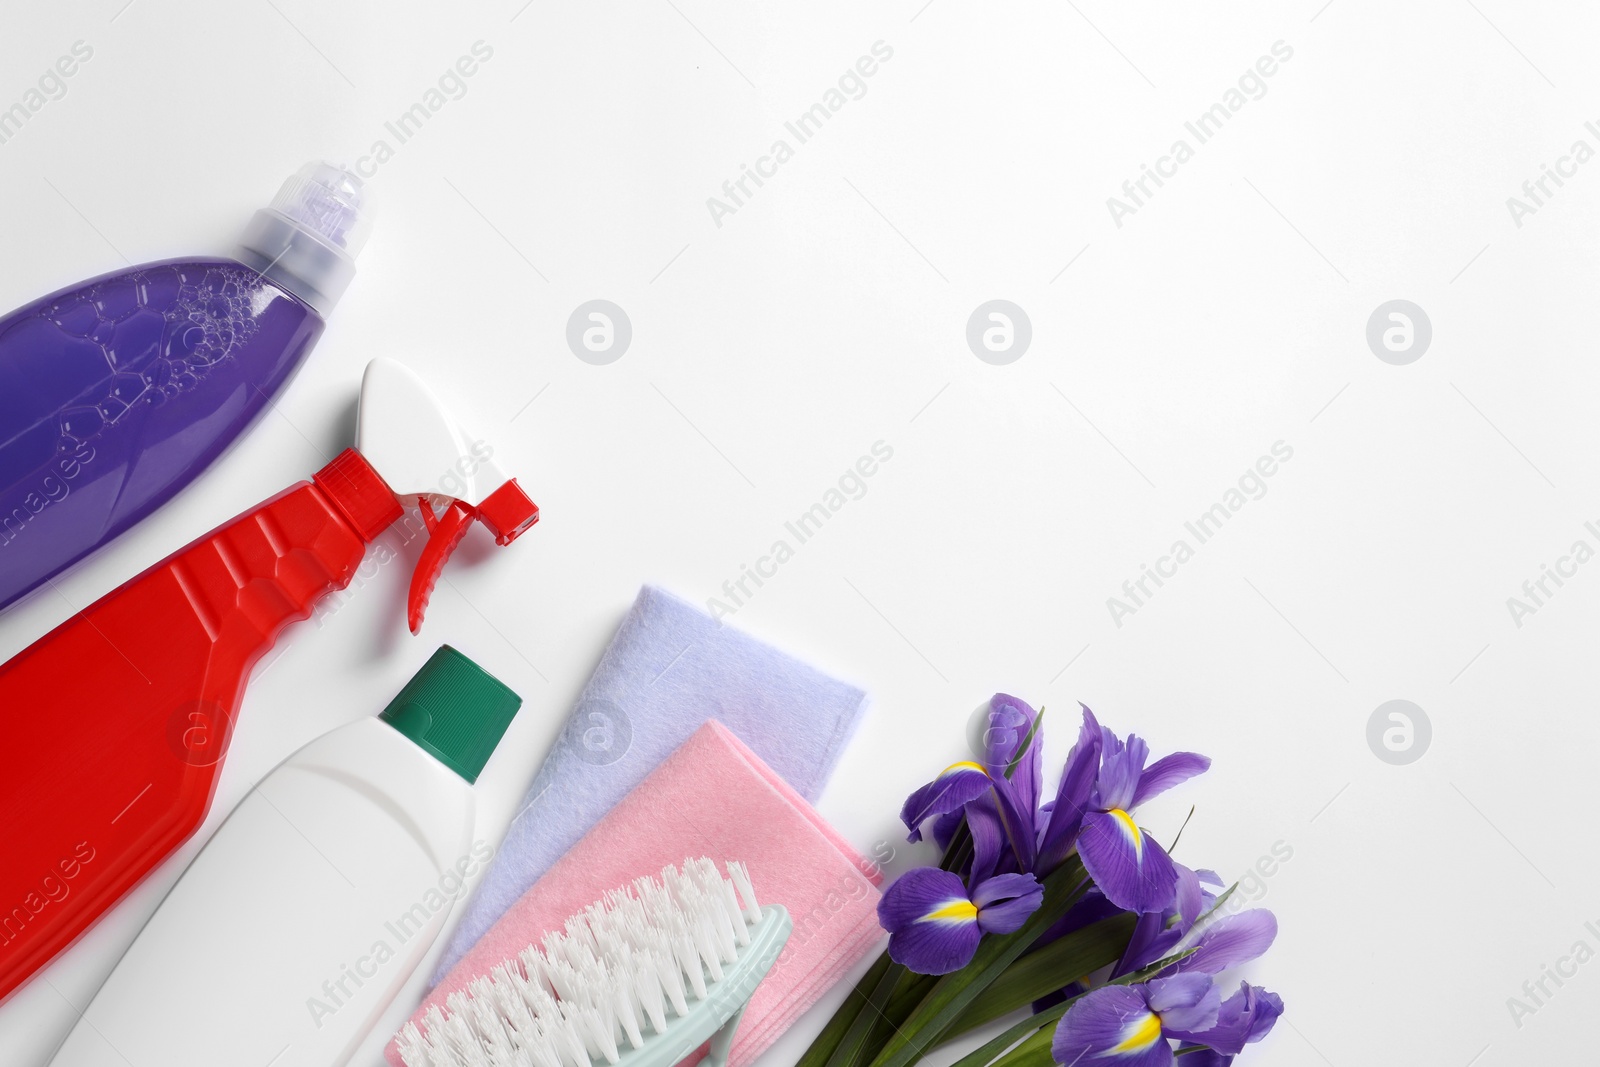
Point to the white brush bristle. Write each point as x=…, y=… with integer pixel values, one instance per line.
x=618, y=973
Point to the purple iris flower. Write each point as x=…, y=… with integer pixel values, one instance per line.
x=935, y=924
x=1215, y=945
x=1010, y=720
x=1227, y=942
x=1104, y=780
x=1001, y=812
x=1244, y=1018
x=1130, y=1025
x=1005, y=825
x=948, y=794
x=1059, y=835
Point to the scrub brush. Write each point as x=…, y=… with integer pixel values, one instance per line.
x=640, y=978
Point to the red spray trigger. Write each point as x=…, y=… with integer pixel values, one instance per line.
x=507, y=512
x=426, y=457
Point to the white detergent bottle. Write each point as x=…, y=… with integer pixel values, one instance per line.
x=296, y=925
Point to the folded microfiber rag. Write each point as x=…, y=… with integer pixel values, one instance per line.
x=712, y=797
x=669, y=668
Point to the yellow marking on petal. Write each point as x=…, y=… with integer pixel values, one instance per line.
x=1130, y=828
x=956, y=911
x=1141, y=1035
x=964, y=765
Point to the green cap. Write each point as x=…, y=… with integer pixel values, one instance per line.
x=455, y=711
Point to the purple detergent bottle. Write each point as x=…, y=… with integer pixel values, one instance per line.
x=117, y=393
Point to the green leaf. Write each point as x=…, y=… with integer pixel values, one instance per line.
x=959, y=854
x=1047, y=970
x=853, y=1049
x=1179, y=835
x=908, y=996
x=986, y=1053
x=1147, y=973
x=826, y=1042
x=908, y=993
x=953, y=992
x=1034, y=1052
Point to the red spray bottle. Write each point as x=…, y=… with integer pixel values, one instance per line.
x=113, y=726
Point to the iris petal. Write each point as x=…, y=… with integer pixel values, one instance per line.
x=956, y=785
x=1006, y=901
x=1231, y=940
x=1151, y=936
x=1005, y=887
x=1010, y=720
x=1167, y=772
x=988, y=837
x=1008, y=916
x=1132, y=870
x=1203, y=1057
x=916, y=893
x=1190, y=896
x=1072, y=797
x=1186, y=1002
x=1141, y=1032
x=1018, y=823
x=935, y=948
x=945, y=827
x=933, y=926
x=956, y=911
x=1121, y=765
x=1101, y=1022
x=1247, y=1016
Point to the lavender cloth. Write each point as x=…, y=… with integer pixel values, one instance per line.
x=669, y=669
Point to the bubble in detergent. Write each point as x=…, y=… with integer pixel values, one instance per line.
x=158, y=332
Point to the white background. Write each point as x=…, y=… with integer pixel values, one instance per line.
x=830, y=311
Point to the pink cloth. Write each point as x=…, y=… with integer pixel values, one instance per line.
x=712, y=797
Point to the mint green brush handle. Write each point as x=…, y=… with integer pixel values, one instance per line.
x=717, y=1016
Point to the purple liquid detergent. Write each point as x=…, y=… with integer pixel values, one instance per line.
x=117, y=393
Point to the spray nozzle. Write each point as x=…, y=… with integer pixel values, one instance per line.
x=425, y=457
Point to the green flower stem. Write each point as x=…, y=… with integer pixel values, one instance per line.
x=1047, y=970
x=953, y=992
x=986, y=1053
x=959, y=854
x=911, y=991
x=855, y=1028
x=823, y=1047
x=1034, y=1052
x=854, y=1050
x=907, y=997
